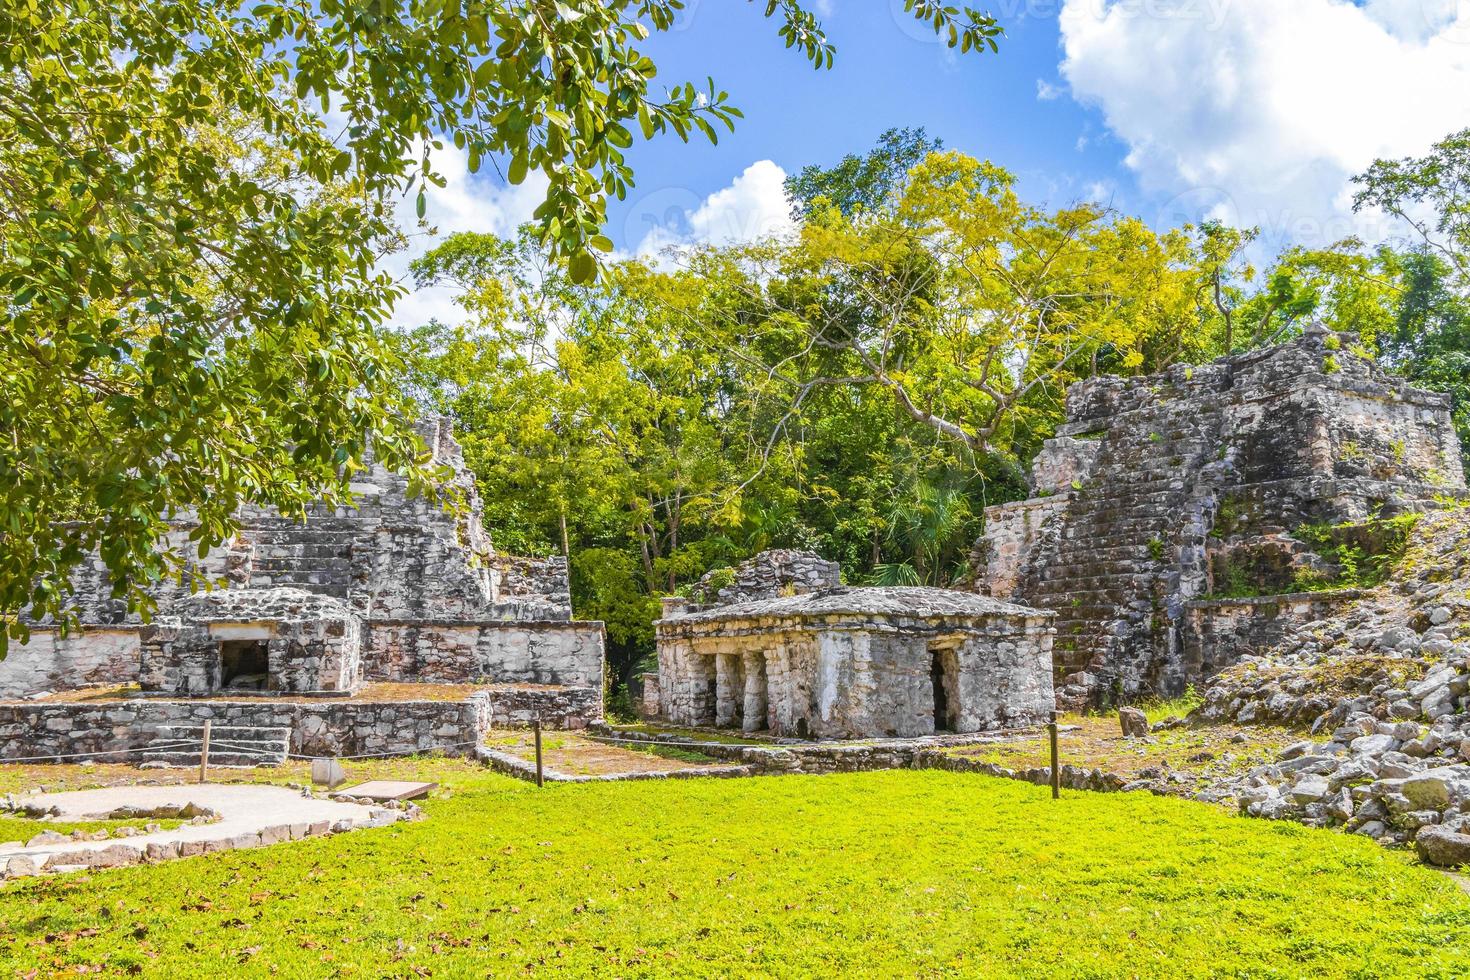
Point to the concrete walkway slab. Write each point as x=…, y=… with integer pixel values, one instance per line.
x=384, y=790
x=249, y=816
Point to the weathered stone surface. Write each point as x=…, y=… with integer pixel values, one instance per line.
x=855, y=662
x=22, y=866
x=1437, y=788
x=1443, y=847
x=1309, y=789
x=1158, y=491
x=116, y=856
x=769, y=575
x=1133, y=722
x=392, y=588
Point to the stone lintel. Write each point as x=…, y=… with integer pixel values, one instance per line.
x=242, y=631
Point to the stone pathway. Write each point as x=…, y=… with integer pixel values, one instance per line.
x=250, y=816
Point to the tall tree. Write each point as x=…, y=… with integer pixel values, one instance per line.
x=1431, y=195
x=971, y=309
x=1429, y=340
x=862, y=183
x=187, y=251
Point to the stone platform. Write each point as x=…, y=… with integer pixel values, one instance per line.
x=249, y=816
x=121, y=729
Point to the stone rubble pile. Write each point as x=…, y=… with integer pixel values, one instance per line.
x=1384, y=691
x=768, y=575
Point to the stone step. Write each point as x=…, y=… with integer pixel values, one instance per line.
x=229, y=745
x=217, y=758
x=236, y=733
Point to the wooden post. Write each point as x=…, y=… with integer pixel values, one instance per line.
x=536, y=728
x=204, y=752
x=1056, y=771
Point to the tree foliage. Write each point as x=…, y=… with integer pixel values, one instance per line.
x=968, y=307
x=861, y=183
x=865, y=388
x=187, y=250
x=1431, y=194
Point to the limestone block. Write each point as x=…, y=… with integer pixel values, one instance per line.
x=1441, y=846
x=1133, y=722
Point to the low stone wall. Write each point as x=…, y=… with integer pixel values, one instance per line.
x=317, y=729
x=564, y=708
x=121, y=730
x=514, y=766
x=1072, y=777
x=561, y=653
x=823, y=759
x=827, y=760
x=52, y=662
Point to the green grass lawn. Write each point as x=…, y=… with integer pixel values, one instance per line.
x=878, y=874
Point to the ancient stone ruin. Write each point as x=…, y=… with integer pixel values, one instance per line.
x=394, y=589
x=788, y=650
x=1178, y=521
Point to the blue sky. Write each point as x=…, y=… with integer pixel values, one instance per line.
x=1255, y=112
x=890, y=72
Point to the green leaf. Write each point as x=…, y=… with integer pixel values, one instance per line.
x=582, y=267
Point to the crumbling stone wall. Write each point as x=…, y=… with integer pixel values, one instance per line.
x=443, y=607
x=511, y=653
x=317, y=727
x=53, y=662
x=768, y=575
x=389, y=555
x=1156, y=488
x=532, y=588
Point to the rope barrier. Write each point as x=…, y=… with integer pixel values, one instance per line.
x=980, y=738
x=235, y=748
x=384, y=755
x=696, y=745
x=255, y=749
x=89, y=755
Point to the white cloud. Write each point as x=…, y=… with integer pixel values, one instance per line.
x=1047, y=92
x=1259, y=111
x=467, y=202
x=753, y=207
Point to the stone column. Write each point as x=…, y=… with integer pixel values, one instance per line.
x=755, y=691
x=729, y=692
x=686, y=683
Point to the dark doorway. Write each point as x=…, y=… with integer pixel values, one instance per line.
x=941, y=694
x=244, y=665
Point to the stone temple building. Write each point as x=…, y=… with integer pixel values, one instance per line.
x=1166, y=525
x=394, y=590
x=785, y=648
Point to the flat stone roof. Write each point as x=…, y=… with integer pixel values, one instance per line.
x=908, y=602
x=282, y=604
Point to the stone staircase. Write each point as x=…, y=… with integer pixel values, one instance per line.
x=321, y=561
x=1107, y=572
x=229, y=745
